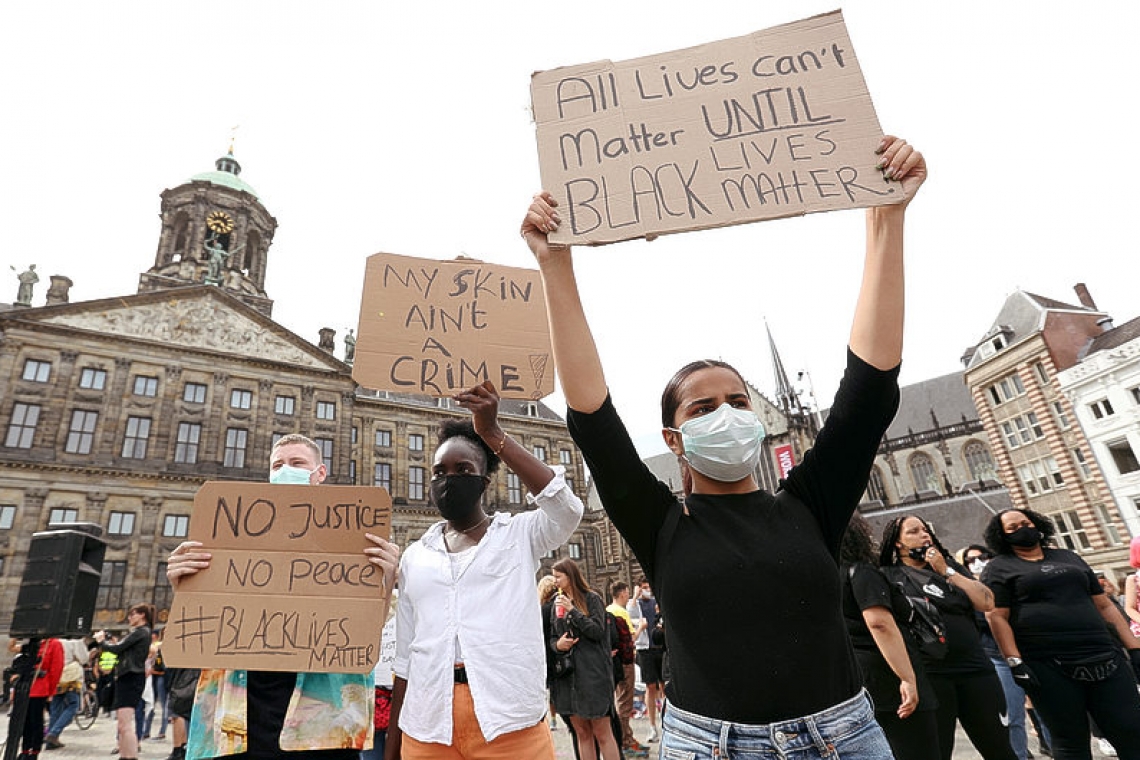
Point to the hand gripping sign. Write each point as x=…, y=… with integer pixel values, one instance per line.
x=774, y=124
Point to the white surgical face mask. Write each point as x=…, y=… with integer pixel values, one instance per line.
x=723, y=445
x=977, y=566
x=291, y=476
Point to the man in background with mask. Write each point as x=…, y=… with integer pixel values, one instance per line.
x=292, y=716
x=470, y=666
x=643, y=613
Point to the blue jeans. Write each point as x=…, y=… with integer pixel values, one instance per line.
x=1014, y=709
x=847, y=730
x=158, y=683
x=377, y=751
x=63, y=709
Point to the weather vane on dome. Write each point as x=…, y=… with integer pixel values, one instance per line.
x=233, y=136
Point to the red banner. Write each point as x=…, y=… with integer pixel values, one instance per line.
x=785, y=460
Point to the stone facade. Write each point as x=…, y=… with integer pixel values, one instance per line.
x=115, y=411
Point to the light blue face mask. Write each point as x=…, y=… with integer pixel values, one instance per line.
x=723, y=445
x=288, y=475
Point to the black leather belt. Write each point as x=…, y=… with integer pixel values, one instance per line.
x=461, y=674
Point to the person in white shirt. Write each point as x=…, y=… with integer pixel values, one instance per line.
x=470, y=662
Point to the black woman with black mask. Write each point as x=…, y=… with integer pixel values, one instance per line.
x=1055, y=628
x=470, y=666
x=798, y=689
x=964, y=679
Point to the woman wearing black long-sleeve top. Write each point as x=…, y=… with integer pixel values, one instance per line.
x=729, y=540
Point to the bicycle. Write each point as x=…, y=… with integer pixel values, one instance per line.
x=88, y=708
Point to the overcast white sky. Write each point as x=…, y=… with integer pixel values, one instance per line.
x=405, y=127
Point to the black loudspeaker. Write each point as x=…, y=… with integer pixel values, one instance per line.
x=61, y=581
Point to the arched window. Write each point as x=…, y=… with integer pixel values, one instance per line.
x=978, y=461
x=922, y=473
x=180, y=232
x=876, y=491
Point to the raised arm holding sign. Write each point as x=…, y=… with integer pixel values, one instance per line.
x=773, y=124
x=728, y=534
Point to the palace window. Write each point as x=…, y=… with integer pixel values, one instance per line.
x=93, y=379
x=194, y=393
x=62, y=515
x=176, y=526
x=121, y=523
x=22, y=426
x=145, y=385
x=36, y=371
x=416, y=483
x=135, y=438
x=81, y=433
x=235, y=447
x=186, y=445
x=111, y=583
x=382, y=476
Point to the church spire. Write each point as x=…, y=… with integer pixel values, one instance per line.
x=785, y=396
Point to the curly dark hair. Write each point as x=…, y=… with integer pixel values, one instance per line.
x=857, y=544
x=449, y=429
x=994, y=534
x=889, y=553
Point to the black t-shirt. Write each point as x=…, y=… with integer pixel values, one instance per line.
x=267, y=700
x=769, y=559
x=964, y=652
x=1050, y=602
x=865, y=587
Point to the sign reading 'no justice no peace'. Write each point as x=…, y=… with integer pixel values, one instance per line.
x=773, y=124
x=440, y=327
x=288, y=587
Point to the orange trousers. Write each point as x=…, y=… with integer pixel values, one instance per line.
x=467, y=742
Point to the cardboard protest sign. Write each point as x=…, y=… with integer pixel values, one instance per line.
x=288, y=587
x=774, y=124
x=440, y=327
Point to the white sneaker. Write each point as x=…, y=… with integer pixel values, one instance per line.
x=1106, y=748
x=654, y=736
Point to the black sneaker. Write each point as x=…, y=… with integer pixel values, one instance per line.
x=179, y=753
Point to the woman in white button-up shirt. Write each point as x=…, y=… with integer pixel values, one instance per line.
x=470, y=665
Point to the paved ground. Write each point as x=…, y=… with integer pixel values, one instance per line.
x=97, y=743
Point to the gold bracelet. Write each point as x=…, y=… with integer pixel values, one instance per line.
x=503, y=443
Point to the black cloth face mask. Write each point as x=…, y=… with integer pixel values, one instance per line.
x=457, y=496
x=1025, y=536
x=918, y=553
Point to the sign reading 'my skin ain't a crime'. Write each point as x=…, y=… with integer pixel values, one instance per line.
x=774, y=124
x=440, y=327
x=288, y=587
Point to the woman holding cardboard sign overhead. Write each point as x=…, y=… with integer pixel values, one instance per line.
x=798, y=690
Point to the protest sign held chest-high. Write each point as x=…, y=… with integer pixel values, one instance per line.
x=288, y=587
x=774, y=124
